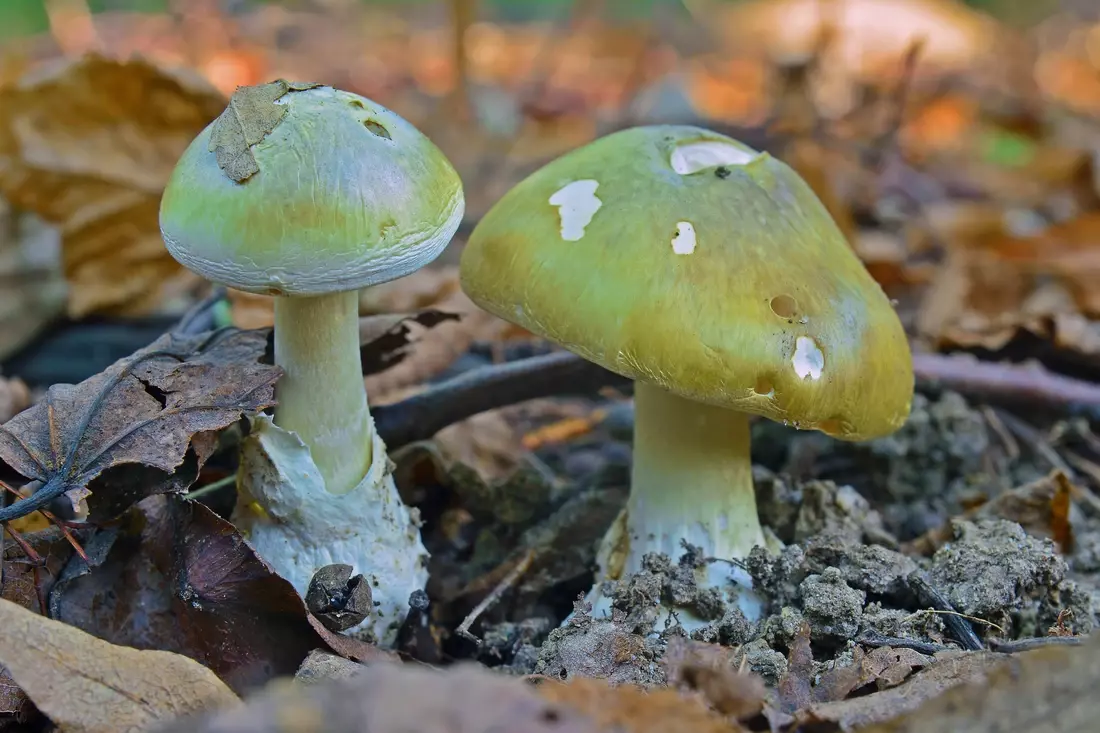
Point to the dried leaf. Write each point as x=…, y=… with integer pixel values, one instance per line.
x=144, y=410
x=437, y=349
x=250, y=117
x=180, y=578
x=33, y=291
x=1049, y=690
x=888, y=667
x=387, y=340
x=1041, y=507
x=994, y=284
x=795, y=691
x=86, y=685
x=709, y=670
x=631, y=709
x=28, y=585
x=950, y=669
x=14, y=398
x=838, y=682
x=88, y=144
x=393, y=698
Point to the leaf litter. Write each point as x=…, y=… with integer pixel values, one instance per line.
x=146, y=410
x=87, y=145
x=980, y=225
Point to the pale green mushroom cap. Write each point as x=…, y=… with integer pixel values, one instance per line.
x=683, y=258
x=302, y=189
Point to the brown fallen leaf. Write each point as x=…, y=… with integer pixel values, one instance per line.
x=28, y=584
x=386, y=340
x=436, y=349
x=87, y=685
x=887, y=667
x=88, y=144
x=1041, y=507
x=33, y=291
x=392, y=698
x=994, y=285
x=149, y=409
x=180, y=578
x=631, y=709
x=950, y=669
x=709, y=670
x=15, y=397
x=1051, y=690
x=795, y=687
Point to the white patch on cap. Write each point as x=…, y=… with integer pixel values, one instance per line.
x=694, y=157
x=577, y=204
x=683, y=241
x=808, y=359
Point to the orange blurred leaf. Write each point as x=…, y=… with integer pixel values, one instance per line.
x=89, y=144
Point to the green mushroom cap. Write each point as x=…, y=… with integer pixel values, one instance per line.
x=302, y=189
x=683, y=258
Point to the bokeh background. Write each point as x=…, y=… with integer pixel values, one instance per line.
x=955, y=143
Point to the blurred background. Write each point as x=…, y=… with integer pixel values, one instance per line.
x=955, y=143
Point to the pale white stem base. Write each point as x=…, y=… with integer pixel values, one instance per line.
x=321, y=397
x=297, y=526
x=691, y=480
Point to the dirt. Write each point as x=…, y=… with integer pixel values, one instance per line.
x=854, y=526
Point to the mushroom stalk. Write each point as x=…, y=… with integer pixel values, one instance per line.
x=321, y=396
x=692, y=479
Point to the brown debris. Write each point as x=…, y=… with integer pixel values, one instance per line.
x=631, y=709
x=250, y=117
x=149, y=409
x=86, y=685
x=107, y=134
x=396, y=699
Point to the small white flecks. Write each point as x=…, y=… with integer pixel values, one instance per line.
x=683, y=241
x=577, y=204
x=694, y=157
x=808, y=359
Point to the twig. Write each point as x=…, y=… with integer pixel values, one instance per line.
x=1027, y=645
x=1025, y=383
x=956, y=624
x=934, y=611
x=875, y=639
x=211, y=487
x=501, y=588
x=1036, y=442
x=423, y=415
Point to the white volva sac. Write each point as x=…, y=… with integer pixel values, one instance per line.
x=298, y=527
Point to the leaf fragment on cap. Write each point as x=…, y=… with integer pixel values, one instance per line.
x=249, y=117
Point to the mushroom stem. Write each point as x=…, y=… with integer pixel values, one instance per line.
x=321, y=396
x=692, y=479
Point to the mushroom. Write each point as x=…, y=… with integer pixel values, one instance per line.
x=711, y=275
x=309, y=193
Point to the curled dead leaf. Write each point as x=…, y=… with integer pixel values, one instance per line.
x=88, y=145
x=436, y=349
x=175, y=576
x=148, y=410
x=87, y=685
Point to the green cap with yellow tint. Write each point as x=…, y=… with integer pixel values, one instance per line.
x=712, y=275
x=685, y=259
